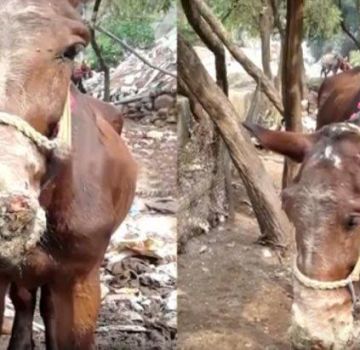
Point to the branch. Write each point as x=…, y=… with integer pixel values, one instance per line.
x=257, y=74
x=276, y=15
x=349, y=34
x=127, y=47
x=346, y=30
x=203, y=30
x=273, y=222
x=95, y=12
x=97, y=51
x=230, y=10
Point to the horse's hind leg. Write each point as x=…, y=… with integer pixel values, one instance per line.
x=24, y=301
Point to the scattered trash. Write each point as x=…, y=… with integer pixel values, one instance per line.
x=266, y=253
x=203, y=249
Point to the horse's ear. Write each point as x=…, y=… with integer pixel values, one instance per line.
x=290, y=144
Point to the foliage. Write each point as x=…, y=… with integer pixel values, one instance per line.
x=239, y=14
x=321, y=19
x=136, y=33
x=323, y=24
x=236, y=15
x=355, y=58
x=139, y=9
x=131, y=21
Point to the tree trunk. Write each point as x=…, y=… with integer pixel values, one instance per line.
x=274, y=225
x=205, y=33
x=304, y=88
x=252, y=114
x=277, y=23
x=278, y=78
x=103, y=66
x=291, y=76
x=265, y=36
x=266, y=84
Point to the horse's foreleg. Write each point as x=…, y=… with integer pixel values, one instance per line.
x=24, y=301
x=47, y=312
x=75, y=311
x=5, y=324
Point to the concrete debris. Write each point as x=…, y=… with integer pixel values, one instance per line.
x=141, y=90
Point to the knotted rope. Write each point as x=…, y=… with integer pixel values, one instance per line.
x=60, y=146
x=327, y=285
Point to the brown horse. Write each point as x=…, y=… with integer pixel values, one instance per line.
x=57, y=215
x=332, y=62
x=323, y=203
x=338, y=97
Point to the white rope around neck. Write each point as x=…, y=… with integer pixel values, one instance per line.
x=327, y=285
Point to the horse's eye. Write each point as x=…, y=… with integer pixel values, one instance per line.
x=352, y=221
x=72, y=51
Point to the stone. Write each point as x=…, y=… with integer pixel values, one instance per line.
x=164, y=101
x=172, y=119
x=163, y=113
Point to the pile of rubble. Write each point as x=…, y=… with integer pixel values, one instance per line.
x=157, y=107
x=140, y=89
x=139, y=278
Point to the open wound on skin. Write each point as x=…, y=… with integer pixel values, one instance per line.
x=12, y=250
x=22, y=220
x=323, y=320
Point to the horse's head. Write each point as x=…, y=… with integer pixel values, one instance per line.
x=344, y=64
x=38, y=41
x=323, y=202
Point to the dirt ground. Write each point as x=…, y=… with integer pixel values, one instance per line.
x=234, y=294
x=154, y=149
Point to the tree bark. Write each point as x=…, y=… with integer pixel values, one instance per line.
x=277, y=23
x=304, y=88
x=265, y=36
x=213, y=43
x=267, y=86
x=104, y=67
x=274, y=225
x=291, y=75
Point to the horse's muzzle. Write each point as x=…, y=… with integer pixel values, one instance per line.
x=17, y=213
x=22, y=223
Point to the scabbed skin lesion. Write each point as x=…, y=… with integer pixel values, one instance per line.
x=301, y=339
x=14, y=248
x=322, y=320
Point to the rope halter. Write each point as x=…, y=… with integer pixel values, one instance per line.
x=332, y=285
x=60, y=146
x=327, y=285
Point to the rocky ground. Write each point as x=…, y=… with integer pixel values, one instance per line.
x=234, y=294
x=140, y=272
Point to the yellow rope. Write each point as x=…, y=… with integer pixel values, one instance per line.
x=65, y=123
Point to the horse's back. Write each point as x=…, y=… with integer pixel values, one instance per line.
x=337, y=97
